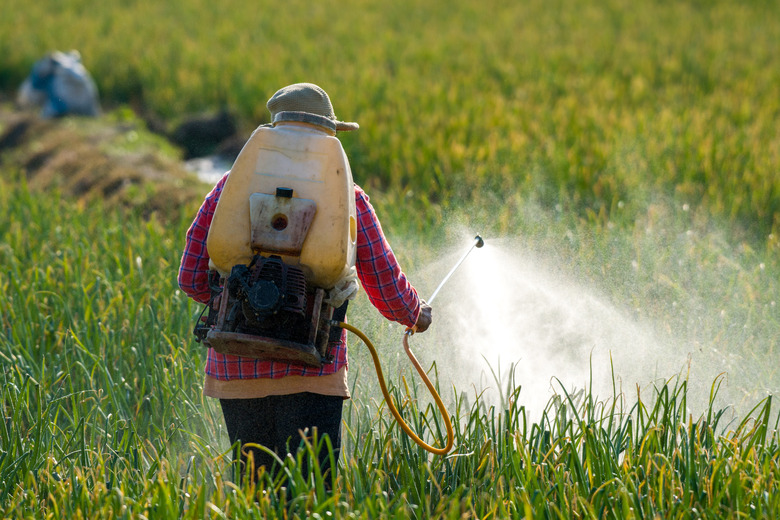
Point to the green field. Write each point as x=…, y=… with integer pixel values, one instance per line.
x=622, y=160
x=579, y=105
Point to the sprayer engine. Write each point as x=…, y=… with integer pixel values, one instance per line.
x=270, y=299
x=267, y=310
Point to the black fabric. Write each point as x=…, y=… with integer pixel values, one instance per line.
x=275, y=421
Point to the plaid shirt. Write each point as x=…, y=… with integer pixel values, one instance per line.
x=381, y=277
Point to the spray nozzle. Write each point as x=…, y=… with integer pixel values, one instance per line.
x=478, y=243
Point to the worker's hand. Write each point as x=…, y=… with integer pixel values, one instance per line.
x=425, y=318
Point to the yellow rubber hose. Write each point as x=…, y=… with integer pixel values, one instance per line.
x=389, y=400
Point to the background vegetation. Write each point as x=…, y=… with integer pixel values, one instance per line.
x=631, y=145
x=577, y=105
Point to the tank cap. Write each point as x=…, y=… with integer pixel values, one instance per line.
x=284, y=192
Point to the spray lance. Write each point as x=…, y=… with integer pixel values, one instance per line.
x=478, y=242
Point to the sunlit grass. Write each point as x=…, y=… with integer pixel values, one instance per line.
x=101, y=392
x=634, y=146
x=579, y=105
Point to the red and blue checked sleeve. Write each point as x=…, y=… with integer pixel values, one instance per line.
x=194, y=267
x=380, y=274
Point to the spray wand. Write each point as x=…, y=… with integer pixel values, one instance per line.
x=478, y=242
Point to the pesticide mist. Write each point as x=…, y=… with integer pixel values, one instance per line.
x=508, y=310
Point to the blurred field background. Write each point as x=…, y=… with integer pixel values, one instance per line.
x=579, y=105
x=628, y=149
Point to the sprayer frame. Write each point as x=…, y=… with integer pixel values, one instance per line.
x=273, y=349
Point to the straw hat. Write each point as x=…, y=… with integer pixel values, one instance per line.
x=308, y=103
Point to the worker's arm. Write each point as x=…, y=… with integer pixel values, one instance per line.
x=194, y=268
x=380, y=274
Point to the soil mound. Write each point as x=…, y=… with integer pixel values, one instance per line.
x=114, y=159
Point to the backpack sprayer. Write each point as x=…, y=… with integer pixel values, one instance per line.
x=282, y=248
x=282, y=244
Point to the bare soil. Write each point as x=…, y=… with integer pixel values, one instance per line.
x=119, y=162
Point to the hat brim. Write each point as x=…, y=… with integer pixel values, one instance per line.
x=341, y=126
x=315, y=119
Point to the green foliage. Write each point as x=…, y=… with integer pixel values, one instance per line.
x=102, y=414
x=586, y=127
x=575, y=105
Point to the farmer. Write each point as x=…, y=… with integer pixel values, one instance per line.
x=270, y=403
x=60, y=85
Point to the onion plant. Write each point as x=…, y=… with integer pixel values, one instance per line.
x=103, y=415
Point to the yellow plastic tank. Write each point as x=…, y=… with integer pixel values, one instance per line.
x=309, y=161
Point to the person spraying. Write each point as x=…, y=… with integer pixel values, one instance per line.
x=252, y=255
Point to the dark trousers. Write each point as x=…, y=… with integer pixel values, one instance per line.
x=276, y=422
